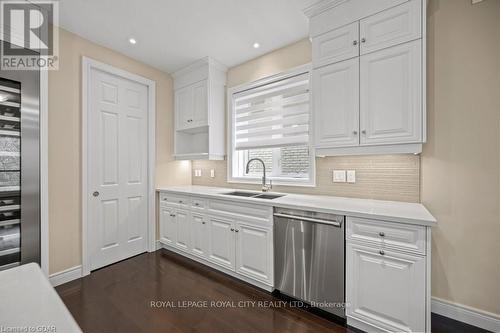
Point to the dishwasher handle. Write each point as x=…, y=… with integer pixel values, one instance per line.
x=309, y=219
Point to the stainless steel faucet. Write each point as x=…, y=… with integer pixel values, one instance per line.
x=265, y=187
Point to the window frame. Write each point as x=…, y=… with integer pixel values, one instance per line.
x=237, y=159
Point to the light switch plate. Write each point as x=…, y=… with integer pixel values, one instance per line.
x=351, y=176
x=339, y=176
x=212, y=173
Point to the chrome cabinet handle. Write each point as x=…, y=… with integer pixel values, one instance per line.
x=355, y=43
x=172, y=215
x=381, y=234
x=95, y=194
x=382, y=252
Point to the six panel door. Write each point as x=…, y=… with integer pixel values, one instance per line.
x=199, y=235
x=336, y=104
x=117, y=162
x=386, y=288
x=221, y=242
x=391, y=95
x=254, y=252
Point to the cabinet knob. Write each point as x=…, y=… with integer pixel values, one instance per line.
x=381, y=252
x=180, y=201
x=355, y=43
x=363, y=131
x=203, y=222
x=164, y=199
x=237, y=230
x=381, y=234
x=172, y=215
x=95, y=194
x=232, y=229
x=196, y=204
x=355, y=132
x=363, y=40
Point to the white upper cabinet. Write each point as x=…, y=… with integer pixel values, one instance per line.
x=391, y=27
x=336, y=45
x=199, y=110
x=369, y=76
x=336, y=104
x=391, y=95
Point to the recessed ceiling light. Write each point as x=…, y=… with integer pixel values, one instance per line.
x=256, y=45
x=132, y=41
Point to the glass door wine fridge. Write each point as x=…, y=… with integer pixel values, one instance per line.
x=19, y=168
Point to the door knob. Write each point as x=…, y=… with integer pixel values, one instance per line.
x=95, y=194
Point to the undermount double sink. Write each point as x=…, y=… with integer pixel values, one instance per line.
x=256, y=195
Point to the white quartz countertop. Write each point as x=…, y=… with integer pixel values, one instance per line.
x=395, y=211
x=30, y=304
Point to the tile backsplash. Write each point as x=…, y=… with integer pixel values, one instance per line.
x=384, y=177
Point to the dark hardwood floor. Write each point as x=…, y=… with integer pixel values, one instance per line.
x=148, y=293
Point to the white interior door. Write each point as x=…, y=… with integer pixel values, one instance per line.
x=117, y=158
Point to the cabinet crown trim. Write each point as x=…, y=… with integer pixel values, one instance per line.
x=206, y=61
x=321, y=7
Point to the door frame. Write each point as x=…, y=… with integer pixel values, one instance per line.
x=87, y=65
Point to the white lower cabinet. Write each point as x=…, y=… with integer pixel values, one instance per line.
x=241, y=245
x=387, y=289
x=199, y=240
x=183, y=229
x=254, y=250
x=221, y=242
x=168, y=228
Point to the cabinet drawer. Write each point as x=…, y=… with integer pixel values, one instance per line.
x=198, y=203
x=261, y=215
x=389, y=235
x=336, y=45
x=175, y=200
x=397, y=25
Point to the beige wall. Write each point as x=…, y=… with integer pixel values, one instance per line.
x=460, y=166
x=461, y=162
x=65, y=144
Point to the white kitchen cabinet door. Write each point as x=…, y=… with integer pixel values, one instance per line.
x=336, y=45
x=386, y=290
x=394, y=26
x=183, y=229
x=254, y=252
x=200, y=105
x=336, y=104
x=391, y=95
x=184, y=103
x=221, y=242
x=199, y=235
x=168, y=227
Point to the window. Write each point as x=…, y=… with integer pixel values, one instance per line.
x=269, y=119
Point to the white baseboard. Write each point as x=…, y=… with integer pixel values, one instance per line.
x=472, y=316
x=67, y=275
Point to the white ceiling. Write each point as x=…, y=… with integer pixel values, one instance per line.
x=171, y=34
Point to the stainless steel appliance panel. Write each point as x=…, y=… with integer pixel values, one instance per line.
x=310, y=259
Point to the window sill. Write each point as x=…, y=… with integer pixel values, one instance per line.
x=277, y=182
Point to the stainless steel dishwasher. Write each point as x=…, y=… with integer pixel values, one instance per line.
x=309, y=258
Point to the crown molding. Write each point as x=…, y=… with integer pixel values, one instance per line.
x=200, y=63
x=322, y=6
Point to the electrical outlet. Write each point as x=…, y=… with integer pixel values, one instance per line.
x=351, y=176
x=212, y=173
x=197, y=172
x=339, y=176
